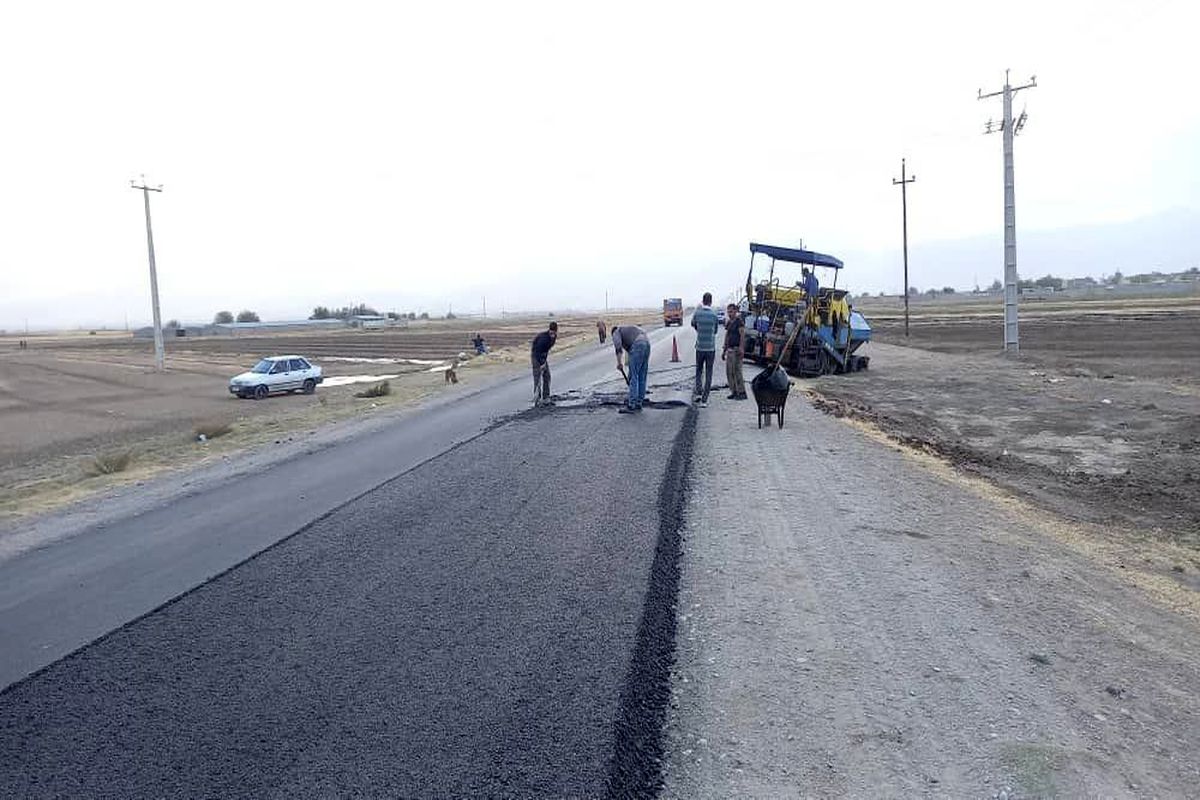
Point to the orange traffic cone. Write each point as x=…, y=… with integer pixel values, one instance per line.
x=674, y=351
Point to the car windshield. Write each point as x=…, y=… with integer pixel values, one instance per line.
x=263, y=366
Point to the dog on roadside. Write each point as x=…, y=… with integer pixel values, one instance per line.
x=451, y=373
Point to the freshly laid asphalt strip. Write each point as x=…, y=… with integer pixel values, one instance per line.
x=486, y=625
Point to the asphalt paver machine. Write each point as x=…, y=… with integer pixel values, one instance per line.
x=805, y=335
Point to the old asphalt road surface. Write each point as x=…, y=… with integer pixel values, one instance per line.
x=496, y=621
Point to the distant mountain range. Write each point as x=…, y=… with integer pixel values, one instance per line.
x=1167, y=242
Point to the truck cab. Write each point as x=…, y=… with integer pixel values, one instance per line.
x=672, y=311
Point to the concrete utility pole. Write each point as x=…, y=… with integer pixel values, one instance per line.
x=903, y=184
x=1009, y=129
x=158, y=340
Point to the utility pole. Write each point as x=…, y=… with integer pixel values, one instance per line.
x=485, y=306
x=1009, y=129
x=158, y=340
x=903, y=184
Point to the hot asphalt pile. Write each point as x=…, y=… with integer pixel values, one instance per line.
x=478, y=626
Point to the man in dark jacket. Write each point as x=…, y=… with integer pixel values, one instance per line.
x=735, y=348
x=538, y=354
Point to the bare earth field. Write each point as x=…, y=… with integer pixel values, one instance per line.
x=71, y=398
x=1097, y=420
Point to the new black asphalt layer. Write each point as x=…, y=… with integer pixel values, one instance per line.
x=113, y=560
x=469, y=629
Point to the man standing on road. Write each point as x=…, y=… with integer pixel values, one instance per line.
x=538, y=354
x=633, y=340
x=704, y=320
x=600, y=330
x=733, y=352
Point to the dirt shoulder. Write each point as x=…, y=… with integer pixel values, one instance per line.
x=857, y=620
x=1086, y=440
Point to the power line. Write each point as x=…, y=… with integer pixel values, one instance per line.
x=903, y=184
x=158, y=339
x=1009, y=129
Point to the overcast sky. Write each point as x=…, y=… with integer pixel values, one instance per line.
x=421, y=154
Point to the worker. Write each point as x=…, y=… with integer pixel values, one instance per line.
x=601, y=331
x=811, y=289
x=733, y=351
x=704, y=320
x=480, y=344
x=538, y=354
x=633, y=341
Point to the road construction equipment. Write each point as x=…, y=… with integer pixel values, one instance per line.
x=672, y=312
x=805, y=335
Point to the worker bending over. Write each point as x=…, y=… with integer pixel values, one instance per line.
x=633, y=341
x=539, y=352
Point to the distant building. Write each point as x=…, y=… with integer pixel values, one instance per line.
x=235, y=328
x=368, y=321
x=1080, y=283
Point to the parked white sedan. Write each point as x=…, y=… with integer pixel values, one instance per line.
x=277, y=374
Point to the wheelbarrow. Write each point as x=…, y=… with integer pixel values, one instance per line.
x=771, y=387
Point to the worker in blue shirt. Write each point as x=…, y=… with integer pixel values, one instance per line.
x=811, y=288
x=704, y=320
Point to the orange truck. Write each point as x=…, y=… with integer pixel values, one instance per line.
x=672, y=311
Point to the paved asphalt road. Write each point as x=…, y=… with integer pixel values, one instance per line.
x=59, y=597
x=493, y=617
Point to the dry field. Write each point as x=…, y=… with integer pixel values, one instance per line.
x=72, y=406
x=1097, y=420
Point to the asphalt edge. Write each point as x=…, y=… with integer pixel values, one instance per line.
x=494, y=424
x=635, y=769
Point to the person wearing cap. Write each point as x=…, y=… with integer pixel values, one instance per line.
x=633, y=341
x=539, y=352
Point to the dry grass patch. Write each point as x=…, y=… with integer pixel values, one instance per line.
x=212, y=429
x=109, y=463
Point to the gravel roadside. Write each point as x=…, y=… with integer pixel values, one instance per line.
x=852, y=624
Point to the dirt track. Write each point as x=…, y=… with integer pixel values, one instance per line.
x=1099, y=419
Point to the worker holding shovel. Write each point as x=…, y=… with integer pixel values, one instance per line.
x=538, y=355
x=633, y=340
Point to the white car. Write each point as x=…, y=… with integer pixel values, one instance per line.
x=277, y=374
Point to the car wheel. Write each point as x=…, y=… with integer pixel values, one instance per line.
x=310, y=386
x=260, y=392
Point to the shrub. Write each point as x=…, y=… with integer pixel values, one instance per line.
x=377, y=390
x=109, y=463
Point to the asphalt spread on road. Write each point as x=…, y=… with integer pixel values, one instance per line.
x=497, y=622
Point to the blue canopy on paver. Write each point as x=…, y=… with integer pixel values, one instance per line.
x=796, y=256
